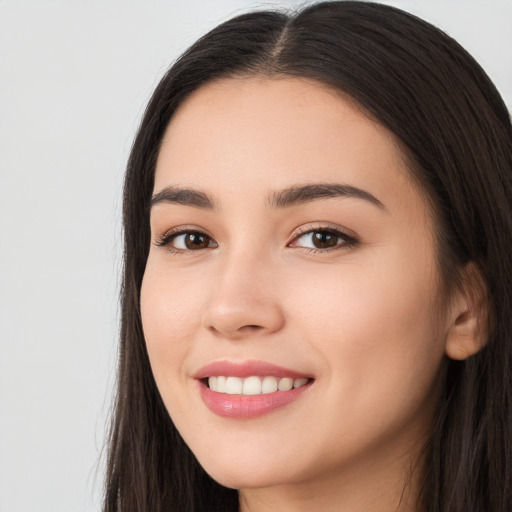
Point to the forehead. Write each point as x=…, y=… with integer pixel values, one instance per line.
x=246, y=136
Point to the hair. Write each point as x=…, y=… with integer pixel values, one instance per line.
x=456, y=135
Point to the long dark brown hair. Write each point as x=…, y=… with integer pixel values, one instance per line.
x=456, y=134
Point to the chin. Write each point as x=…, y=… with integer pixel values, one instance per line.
x=237, y=475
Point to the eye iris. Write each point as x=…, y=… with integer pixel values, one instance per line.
x=196, y=241
x=323, y=240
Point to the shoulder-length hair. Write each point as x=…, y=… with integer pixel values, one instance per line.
x=456, y=135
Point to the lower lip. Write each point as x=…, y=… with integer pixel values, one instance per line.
x=248, y=406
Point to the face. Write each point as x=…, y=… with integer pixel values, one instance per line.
x=292, y=260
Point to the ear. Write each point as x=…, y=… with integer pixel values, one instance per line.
x=469, y=319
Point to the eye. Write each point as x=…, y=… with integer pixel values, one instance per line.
x=323, y=239
x=181, y=241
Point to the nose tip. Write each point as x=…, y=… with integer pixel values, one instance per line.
x=239, y=309
x=243, y=321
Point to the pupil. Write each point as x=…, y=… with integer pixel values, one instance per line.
x=195, y=241
x=323, y=240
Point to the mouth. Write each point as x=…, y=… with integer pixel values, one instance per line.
x=250, y=389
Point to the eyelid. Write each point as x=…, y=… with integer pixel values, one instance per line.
x=324, y=226
x=166, y=238
x=350, y=239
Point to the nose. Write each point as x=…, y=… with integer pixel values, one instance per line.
x=244, y=300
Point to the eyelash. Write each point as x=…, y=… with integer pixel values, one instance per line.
x=348, y=240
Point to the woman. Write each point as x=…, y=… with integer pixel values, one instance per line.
x=316, y=300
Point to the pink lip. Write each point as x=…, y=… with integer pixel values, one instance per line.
x=247, y=369
x=247, y=406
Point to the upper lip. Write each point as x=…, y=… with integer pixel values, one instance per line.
x=247, y=369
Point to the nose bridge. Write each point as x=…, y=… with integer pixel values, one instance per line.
x=244, y=296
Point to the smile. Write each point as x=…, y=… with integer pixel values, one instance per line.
x=254, y=385
x=249, y=389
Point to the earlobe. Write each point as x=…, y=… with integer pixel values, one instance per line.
x=469, y=329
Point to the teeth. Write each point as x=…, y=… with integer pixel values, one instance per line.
x=234, y=386
x=221, y=384
x=213, y=383
x=253, y=385
x=269, y=385
x=297, y=383
x=285, y=384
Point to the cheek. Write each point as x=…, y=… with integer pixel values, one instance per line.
x=169, y=319
x=382, y=301
x=376, y=331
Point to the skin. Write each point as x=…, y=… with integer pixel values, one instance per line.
x=364, y=319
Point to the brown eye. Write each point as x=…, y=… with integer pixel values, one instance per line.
x=325, y=239
x=183, y=241
x=194, y=241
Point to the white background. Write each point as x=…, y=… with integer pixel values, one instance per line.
x=74, y=79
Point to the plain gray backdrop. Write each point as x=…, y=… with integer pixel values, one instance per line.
x=74, y=79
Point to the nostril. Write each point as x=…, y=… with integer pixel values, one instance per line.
x=237, y=333
x=250, y=328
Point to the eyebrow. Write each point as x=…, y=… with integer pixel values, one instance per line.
x=306, y=193
x=185, y=196
x=292, y=196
